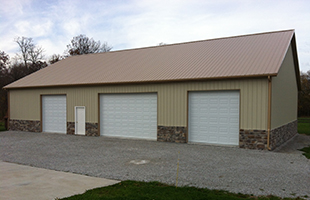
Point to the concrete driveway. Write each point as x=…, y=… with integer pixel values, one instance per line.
x=233, y=169
x=25, y=182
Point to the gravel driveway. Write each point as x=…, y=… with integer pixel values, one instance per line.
x=228, y=168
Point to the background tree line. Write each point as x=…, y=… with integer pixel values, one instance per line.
x=304, y=95
x=30, y=58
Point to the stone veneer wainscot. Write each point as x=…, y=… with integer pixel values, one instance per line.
x=282, y=134
x=70, y=128
x=91, y=129
x=248, y=139
x=171, y=134
x=25, y=125
x=257, y=139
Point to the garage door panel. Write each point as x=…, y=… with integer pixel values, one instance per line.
x=129, y=115
x=213, y=109
x=54, y=114
x=233, y=128
x=234, y=111
x=223, y=120
x=224, y=101
x=223, y=130
x=223, y=111
x=223, y=140
x=213, y=139
x=214, y=117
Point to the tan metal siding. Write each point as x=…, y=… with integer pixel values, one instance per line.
x=284, y=93
x=172, y=100
x=24, y=105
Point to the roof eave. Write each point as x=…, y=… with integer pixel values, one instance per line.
x=144, y=82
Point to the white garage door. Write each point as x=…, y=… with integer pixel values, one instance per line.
x=54, y=114
x=214, y=117
x=129, y=115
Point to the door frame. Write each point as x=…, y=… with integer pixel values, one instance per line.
x=75, y=120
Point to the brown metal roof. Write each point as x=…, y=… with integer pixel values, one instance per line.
x=241, y=56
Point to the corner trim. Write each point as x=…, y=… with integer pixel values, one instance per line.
x=9, y=110
x=269, y=112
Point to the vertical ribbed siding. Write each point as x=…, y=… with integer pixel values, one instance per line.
x=172, y=105
x=284, y=101
x=172, y=100
x=25, y=104
x=82, y=97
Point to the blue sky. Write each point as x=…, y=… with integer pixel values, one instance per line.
x=140, y=23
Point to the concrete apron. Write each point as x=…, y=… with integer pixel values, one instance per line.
x=25, y=182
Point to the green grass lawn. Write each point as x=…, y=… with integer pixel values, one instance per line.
x=304, y=128
x=134, y=190
x=307, y=151
x=304, y=125
x=2, y=128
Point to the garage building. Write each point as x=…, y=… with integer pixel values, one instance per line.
x=236, y=91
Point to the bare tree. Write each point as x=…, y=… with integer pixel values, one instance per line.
x=4, y=79
x=55, y=58
x=28, y=51
x=12, y=71
x=4, y=59
x=4, y=63
x=24, y=45
x=83, y=45
x=36, y=54
x=36, y=66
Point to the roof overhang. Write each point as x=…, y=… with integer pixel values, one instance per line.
x=145, y=82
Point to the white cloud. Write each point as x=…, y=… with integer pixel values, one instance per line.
x=139, y=23
x=13, y=7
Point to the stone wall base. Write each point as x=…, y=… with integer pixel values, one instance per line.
x=35, y=126
x=253, y=139
x=91, y=129
x=248, y=139
x=280, y=135
x=25, y=125
x=70, y=128
x=171, y=134
x=257, y=139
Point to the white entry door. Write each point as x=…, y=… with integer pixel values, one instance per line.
x=54, y=113
x=129, y=115
x=80, y=120
x=214, y=117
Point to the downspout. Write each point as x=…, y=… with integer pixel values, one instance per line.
x=269, y=113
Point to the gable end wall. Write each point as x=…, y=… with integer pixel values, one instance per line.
x=284, y=100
